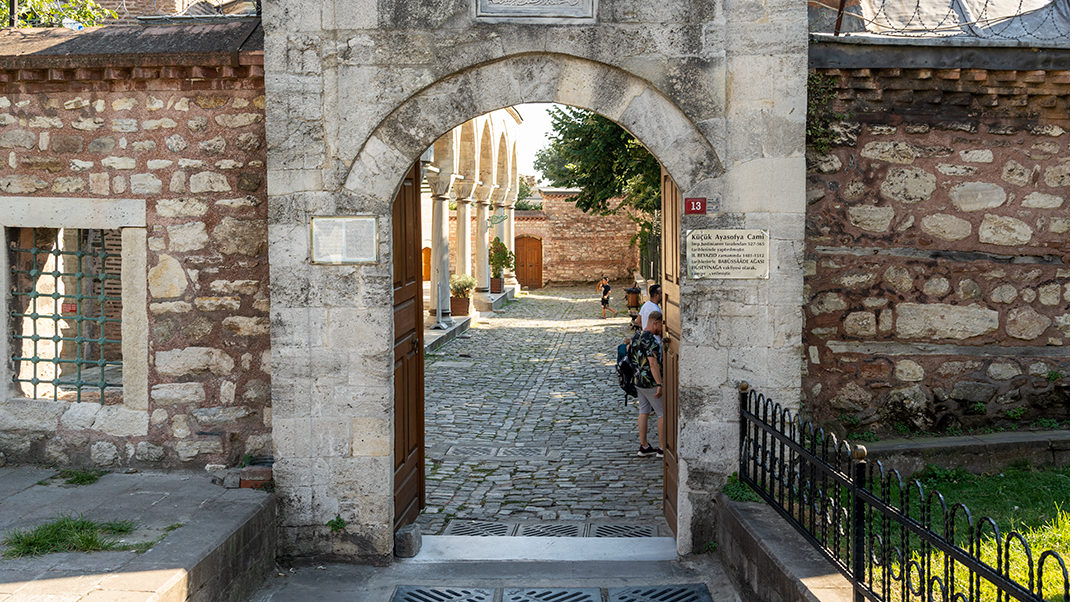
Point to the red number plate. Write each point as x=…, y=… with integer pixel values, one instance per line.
x=695, y=205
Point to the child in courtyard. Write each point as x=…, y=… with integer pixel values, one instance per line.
x=603, y=285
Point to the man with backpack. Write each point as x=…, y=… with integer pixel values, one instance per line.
x=644, y=353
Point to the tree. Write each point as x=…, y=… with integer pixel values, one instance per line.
x=613, y=171
x=50, y=13
x=523, y=189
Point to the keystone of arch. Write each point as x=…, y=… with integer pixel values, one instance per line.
x=616, y=94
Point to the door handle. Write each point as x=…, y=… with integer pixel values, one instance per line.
x=415, y=344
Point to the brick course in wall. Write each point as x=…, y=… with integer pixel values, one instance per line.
x=938, y=269
x=188, y=137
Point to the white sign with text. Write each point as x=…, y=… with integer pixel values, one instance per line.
x=737, y=254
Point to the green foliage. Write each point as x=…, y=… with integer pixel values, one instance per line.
x=849, y=420
x=979, y=408
x=710, y=547
x=82, y=477
x=528, y=205
x=461, y=285
x=336, y=524
x=739, y=491
x=66, y=534
x=246, y=460
x=50, y=13
x=866, y=436
x=821, y=96
x=592, y=153
x=1054, y=375
x=1046, y=423
x=902, y=428
x=1015, y=413
x=501, y=258
x=523, y=190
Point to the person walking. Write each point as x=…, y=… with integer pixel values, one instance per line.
x=645, y=355
x=603, y=285
x=652, y=304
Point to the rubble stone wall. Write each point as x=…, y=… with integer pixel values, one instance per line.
x=189, y=141
x=938, y=268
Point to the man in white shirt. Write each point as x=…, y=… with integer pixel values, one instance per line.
x=652, y=304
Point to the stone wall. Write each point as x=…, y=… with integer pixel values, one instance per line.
x=186, y=142
x=938, y=272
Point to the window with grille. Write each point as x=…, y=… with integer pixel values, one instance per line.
x=66, y=313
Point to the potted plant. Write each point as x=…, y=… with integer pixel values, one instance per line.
x=501, y=259
x=461, y=286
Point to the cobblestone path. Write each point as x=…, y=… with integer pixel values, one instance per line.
x=525, y=421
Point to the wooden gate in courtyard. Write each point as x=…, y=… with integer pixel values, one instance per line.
x=408, y=353
x=529, y=261
x=670, y=308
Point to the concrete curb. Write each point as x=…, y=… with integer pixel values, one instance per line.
x=975, y=453
x=770, y=561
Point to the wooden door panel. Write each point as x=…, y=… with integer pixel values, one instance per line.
x=529, y=262
x=670, y=307
x=408, y=353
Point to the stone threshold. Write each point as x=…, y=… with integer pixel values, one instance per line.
x=435, y=339
x=449, y=548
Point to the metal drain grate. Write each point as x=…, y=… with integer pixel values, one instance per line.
x=622, y=530
x=472, y=450
x=407, y=593
x=551, y=530
x=662, y=593
x=479, y=528
x=522, y=452
x=552, y=595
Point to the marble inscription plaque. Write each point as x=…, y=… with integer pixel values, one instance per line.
x=344, y=240
x=535, y=9
x=736, y=254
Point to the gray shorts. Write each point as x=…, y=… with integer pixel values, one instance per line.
x=648, y=401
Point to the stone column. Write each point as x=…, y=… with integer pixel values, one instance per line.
x=440, y=257
x=510, y=236
x=499, y=214
x=464, y=236
x=482, y=263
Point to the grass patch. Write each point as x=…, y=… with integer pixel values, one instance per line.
x=739, y=491
x=82, y=477
x=66, y=534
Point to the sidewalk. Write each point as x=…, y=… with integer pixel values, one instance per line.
x=214, y=543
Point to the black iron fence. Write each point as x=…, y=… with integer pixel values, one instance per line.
x=893, y=540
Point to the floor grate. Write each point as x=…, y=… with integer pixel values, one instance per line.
x=621, y=530
x=479, y=528
x=662, y=593
x=408, y=593
x=551, y=530
x=552, y=595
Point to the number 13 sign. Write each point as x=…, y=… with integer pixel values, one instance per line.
x=695, y=205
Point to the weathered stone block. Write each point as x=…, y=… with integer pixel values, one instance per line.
x=1040, y=200
x=407, y=541
x=80, y=415
x=217, y=303
x=239, y=236
x=103, y=453
x=36, y=415
x=149, y=452
x=973, y=391
x=892, y=152
x=187, y=237
x=121, y=422
x=870, y=217
x=946, y=227
x=245, y=326
x=113, y=162
x=167, y=278
x=943, y=321
x=194, y=360
x=1004, y=230
x=208, y=181
x=189, y=450
x=170, y=394
x=217, y=415
x=1026, y=323
x=909, y=370
x=186, y=207
x=977, y=196
x=908, y=185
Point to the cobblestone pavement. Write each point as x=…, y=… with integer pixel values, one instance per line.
x=525, y=421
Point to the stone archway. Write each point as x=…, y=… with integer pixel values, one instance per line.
x=718, y=97
x=529, y=78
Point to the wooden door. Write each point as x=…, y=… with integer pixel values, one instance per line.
x=529, y=262
x=426, y=256
x=670, y=307
x=408, y=353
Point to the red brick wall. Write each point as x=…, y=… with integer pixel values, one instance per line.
x=938, y=270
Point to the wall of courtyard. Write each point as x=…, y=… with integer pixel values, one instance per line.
x=937, y=264
x=185, y=140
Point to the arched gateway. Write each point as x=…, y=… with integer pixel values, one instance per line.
x=719, y=98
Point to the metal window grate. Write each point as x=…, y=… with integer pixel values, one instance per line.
x=66, y=313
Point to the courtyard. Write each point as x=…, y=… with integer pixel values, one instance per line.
x=527, y=432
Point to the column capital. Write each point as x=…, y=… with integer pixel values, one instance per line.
x=441, y=183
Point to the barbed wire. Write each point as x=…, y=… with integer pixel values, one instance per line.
x=993, y=19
